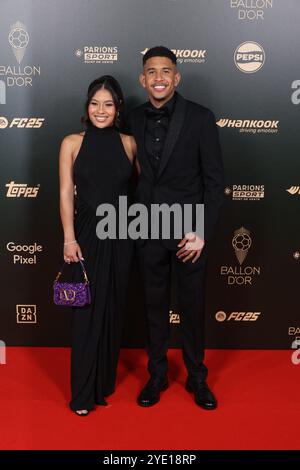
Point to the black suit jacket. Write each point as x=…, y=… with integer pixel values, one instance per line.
x=191, y=169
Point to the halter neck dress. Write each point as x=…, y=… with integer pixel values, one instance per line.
x=102, y=172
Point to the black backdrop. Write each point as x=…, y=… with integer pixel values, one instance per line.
x=239, y=58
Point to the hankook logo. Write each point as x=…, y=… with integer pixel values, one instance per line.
x=250, y=126
x=294, y=190
x=187, y=55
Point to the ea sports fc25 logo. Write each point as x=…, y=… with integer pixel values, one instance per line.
x=24, y=122
x=221, y=316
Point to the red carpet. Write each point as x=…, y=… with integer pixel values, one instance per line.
x=257, y=391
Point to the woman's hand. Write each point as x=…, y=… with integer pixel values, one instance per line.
x=72, y=252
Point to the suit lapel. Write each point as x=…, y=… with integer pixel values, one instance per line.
x=175, y=127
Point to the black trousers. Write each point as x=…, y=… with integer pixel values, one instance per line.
x=155, y=261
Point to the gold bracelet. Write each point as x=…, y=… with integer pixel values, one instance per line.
x=69, y=243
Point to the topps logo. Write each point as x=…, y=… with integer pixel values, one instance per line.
x=21, y=190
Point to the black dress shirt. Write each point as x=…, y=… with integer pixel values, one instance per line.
x=157, y=124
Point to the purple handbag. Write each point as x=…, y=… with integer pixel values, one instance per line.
x=72, y=294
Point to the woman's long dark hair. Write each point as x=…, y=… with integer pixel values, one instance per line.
x=112, y=85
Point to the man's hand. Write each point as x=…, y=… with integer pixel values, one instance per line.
x=190, y=248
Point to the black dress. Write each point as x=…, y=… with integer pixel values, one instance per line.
x=102, y=172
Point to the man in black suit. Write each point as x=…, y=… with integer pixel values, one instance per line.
x=180, y=162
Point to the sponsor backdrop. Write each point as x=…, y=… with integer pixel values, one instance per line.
x=238, y=57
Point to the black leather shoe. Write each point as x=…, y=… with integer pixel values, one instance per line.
x=202, y=394
x=82, y=412
x=150, y=395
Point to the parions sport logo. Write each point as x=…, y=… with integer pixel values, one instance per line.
x=98, y=54
x=245, y=192
x=196, y=56
x=249, y=57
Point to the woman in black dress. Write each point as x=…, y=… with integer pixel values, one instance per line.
x=97, y=166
